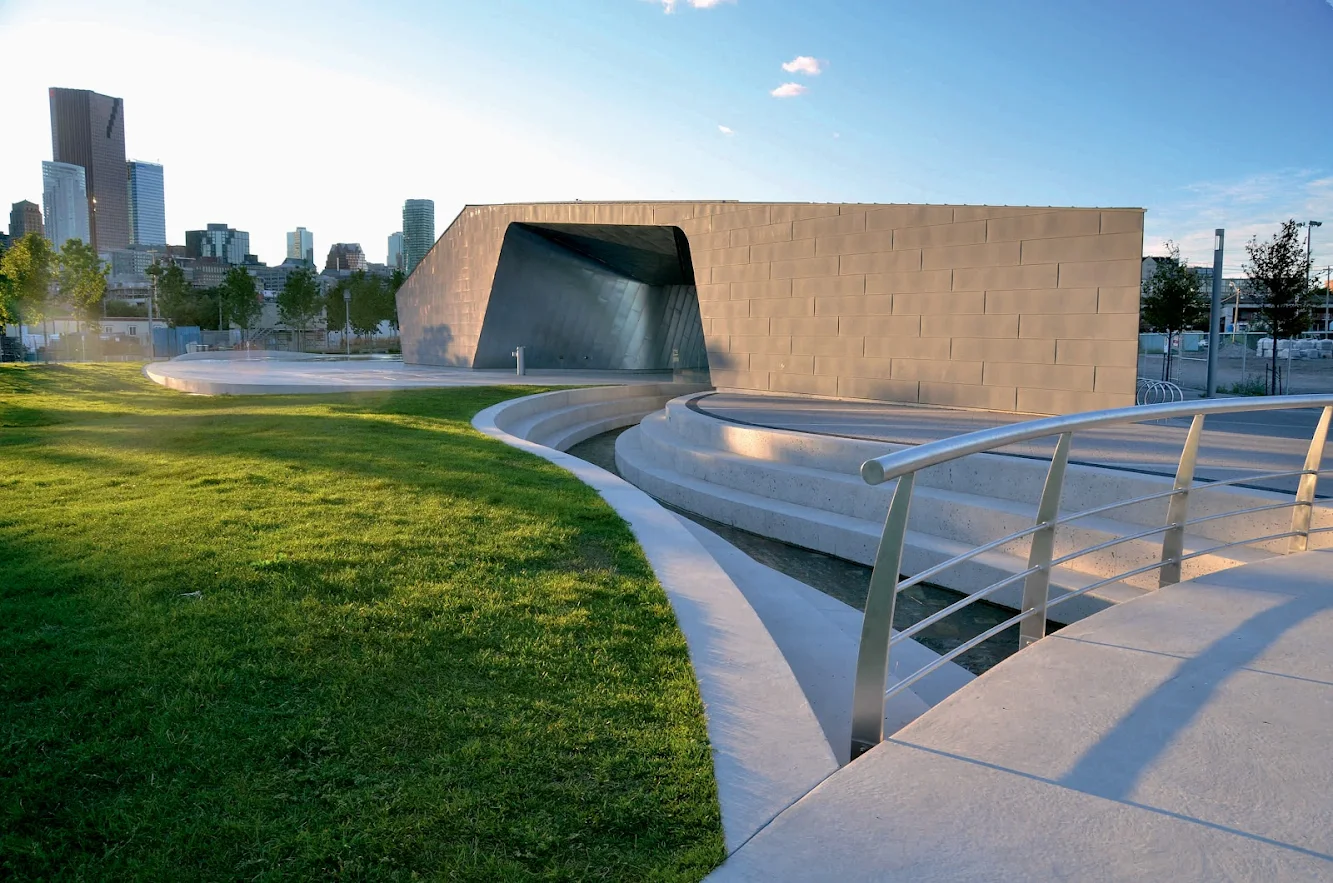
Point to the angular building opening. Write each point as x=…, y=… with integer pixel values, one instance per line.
x=597, y=296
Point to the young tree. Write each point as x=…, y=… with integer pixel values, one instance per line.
x=180, y=303
x=81, y=280
x=1279, y=276
x=299, y=301
x=1173, y=300
x=240, y=297
x=26, y=272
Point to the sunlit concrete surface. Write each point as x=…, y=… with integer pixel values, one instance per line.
x=1181, y=736
x=1233, y=445
x=267, y=376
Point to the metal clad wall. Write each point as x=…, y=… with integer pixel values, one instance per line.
x=571, y=311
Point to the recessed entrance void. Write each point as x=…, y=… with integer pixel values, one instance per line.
x=600, y=296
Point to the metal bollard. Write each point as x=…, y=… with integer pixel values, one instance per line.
x=518, y=354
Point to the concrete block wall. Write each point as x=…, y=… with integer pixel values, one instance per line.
x=1005, y=308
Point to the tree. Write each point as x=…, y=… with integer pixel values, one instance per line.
x=26, y=273
x=180, y=303
x=299, y=301
x=240, y=297
x=123, y=308
x=81, y=280
x=1173, y=300
x=372, y=302
x=1279, y=277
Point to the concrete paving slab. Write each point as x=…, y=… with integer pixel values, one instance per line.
x=1181, y=736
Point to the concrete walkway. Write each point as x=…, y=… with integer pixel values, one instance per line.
x=268, y=376
x=1183, y=736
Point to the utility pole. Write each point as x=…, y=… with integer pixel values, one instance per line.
x=1215, y=312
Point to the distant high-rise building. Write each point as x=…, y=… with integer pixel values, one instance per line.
x=218, y=241
x=395, y=260
x=345, y=256
x=88, y=130
x=301, y=245
x=418, y=230
x=65, y=198
x=24, y=218
x=148, y=204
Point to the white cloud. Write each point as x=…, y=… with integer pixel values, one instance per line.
x=725, y=130
x=788, y=90
x=804, y=64
x=837, y=134
x=669, y=6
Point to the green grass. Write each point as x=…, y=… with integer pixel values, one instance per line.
x=343, y=636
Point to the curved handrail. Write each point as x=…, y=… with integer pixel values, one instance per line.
x=886, y=581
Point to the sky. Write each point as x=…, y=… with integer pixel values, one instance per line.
x=327, y=115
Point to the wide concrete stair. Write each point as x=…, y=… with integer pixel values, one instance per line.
x=806, y=490
x=562, y=419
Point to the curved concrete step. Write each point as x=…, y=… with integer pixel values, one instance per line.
x=852, y=538
x=998, y=477
x=968, y=518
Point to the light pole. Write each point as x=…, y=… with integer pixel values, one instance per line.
x=1215, y=312
x=1309, y=256
x=347, y=320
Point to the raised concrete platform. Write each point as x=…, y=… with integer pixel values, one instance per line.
x=280, y=373
x=1182, y=736
x=1233, y=445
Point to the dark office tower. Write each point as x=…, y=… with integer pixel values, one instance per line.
x=25, y=217
x=88, y=130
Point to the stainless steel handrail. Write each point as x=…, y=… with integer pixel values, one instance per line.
x=886, y=581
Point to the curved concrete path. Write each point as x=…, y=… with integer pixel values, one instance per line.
x=1182, y=736
x=272, y=374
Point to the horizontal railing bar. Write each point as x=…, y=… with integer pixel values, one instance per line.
x=959, y=651
x=919, y=578
x=1104, y=582
x=1250, y=511
x=1114, y=541
x=1209, y=484
x=965, y=601
x=881, y=469
x=926, y=574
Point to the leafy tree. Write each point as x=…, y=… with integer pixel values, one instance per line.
x=1173, y=299
x=1279, y=277
x=81, y=280
x=299, y=301
x=117, y=307
x=180, y=303
x=240, y=297
x=26, y=273
x=372, y=302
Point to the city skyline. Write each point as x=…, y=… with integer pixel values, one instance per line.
x=1049, y=104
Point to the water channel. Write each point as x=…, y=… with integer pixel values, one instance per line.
x=848, y=581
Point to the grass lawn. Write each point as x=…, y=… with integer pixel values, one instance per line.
x=337, y=636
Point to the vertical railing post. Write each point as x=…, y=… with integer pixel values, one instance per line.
x=1177, y=513
x=1301, y=515
x=872, y=661
x=1037, y=586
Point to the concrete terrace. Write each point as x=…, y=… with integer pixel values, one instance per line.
x=1179, y=736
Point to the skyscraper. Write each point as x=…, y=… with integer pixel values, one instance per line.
x=218, y=241
x=88, y=130
x=345, y=256
x=148, y=205
x=395, y=259
x=25, y=217
x=301, y=245
x=65, y=198
x=418, y=230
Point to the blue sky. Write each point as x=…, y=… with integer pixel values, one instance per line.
x=327, y=115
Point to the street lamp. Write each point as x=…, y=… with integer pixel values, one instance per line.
x=347, y=320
